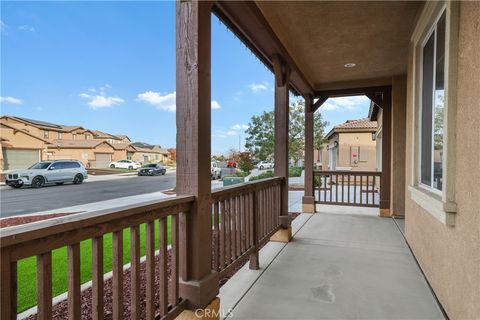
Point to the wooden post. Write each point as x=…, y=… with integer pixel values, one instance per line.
x=282, y=75
x=198, y=283
x=386, y=154
x=308, y=200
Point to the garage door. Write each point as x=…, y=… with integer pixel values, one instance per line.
x=102, y=160
x=19, y=159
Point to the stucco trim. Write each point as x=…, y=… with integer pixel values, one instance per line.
x=434, y=205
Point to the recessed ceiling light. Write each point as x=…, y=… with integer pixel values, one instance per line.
x=349, y=65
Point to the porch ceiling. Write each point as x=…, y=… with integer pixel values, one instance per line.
x=322, y=37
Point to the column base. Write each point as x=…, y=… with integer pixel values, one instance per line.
x=282, y=235
x=308, y=204
x=210, y=312
x=384, y=213
x=200, y=293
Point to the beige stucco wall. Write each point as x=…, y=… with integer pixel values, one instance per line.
x=450, y=256
x=82, y=154
x=367, y=151
x=397, y=181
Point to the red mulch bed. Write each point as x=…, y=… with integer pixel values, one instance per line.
x=60, y=310
x=296, y=187
x=10, y=222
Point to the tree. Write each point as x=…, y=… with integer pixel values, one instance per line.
x=173, y=153
x=245, y=162
x=260, y=134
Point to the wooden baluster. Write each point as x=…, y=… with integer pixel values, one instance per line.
x=97, y=278
x=215, y=236
x=162, y=266
x=336, y=188
x=246, y=207
x=331, y=188
x=366, y=193
x=361, y=188
x=222, y=236
x=348, y=189
x=343, y=188
x=8, y=286
x=254, y=263
x=174, y=272
x=117, y=268
x=228, y=248
x=354, y=189
x=44, y=286
x=243, y=232
x=135, y=272
x=74, y=298
x=239, y=227
x=150, y=269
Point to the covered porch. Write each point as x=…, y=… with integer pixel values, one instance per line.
x=348, y=264
x=343, y=263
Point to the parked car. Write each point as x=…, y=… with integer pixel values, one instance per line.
x=264, y=165
x=231, y=164
x=48, y=172
x=215, y=171
x=152, y=169
x=125, y=164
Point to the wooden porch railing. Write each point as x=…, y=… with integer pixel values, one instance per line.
x=348, y=188
x=41, y=238
x=244, y=218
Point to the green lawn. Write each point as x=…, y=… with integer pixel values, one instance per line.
x=27, y=294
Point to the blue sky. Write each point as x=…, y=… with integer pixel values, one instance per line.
x=110, y=66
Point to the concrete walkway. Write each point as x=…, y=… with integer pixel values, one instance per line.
x=338, y=266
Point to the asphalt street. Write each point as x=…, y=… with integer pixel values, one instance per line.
x=28, y=200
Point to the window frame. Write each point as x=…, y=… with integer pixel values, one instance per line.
x=440, y=204
x=433, y=30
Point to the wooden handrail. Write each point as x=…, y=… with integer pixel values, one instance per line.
x=41, y=238
x=34, y=231
x=347, y=187
x=347, y=172
x=244, y=217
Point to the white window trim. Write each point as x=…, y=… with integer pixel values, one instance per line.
x=440, y=204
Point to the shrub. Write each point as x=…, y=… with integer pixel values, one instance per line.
x=264, y=175
x=294, y=171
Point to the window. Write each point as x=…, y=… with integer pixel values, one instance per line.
x=432, y=106
x=45, y=134
x=60, y=136
x=435, y=41
x=88, y=137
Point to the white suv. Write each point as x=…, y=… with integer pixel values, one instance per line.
x=264, y=165
x=45, y=172
x=125, y=164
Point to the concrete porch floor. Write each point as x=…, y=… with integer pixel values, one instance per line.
x=352, y=265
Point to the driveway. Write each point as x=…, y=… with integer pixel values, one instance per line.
x=27, y=200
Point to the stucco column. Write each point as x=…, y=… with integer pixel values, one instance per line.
x=198, y=283
x=308, y=201
x=386, y=154
x=282, y=74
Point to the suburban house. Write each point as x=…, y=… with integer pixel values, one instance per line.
x=351, y=146
x=26, y=141
x=147, y=153
x=409, y=252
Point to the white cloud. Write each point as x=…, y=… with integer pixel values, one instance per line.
x=257, y=87
x=216, y=105
x=238, y=127
x=101, y=100
x=345, y=103
x=3, y=26
x=37, y=108
x=165, y=102
x=10, y=100
x=26, y=28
